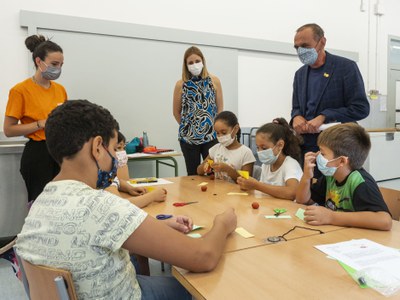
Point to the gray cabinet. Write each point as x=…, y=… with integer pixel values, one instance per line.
x=13, y=194
x=383, y=162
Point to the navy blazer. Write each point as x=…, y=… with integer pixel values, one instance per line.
x=342, y=97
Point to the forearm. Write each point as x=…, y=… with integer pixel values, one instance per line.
x=200, y=168
x=284, y=192
x=21, y=129
x=141, y=201
x=363, y=219
x=177, y=117
x=232, y=172
x=303, y=192
x=113, y=189
x=196, y=255
x=125, y=186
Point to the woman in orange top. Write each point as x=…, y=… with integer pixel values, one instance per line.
x=29, y=104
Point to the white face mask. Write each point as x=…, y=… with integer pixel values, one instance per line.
x=267, y=156
x=122, y=158
x=195, y=69
x=226, y=140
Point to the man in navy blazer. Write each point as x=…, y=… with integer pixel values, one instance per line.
x=327, y=89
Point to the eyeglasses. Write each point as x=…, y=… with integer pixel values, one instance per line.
x=276, y=239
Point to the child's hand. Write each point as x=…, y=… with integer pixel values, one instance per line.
x=246, y=184
x=309, y=164
x=207, y=168
x=220, y=167
x=159, y=195
x=183, y=224
x=137, y=191
x=318, y=215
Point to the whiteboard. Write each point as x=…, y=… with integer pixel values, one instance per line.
x=135, y=78
x=268, y=94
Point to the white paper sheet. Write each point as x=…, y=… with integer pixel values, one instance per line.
x=159, y=182
x=326, y=126
x=363, y=253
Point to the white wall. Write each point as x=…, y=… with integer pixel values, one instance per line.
x=346, y=28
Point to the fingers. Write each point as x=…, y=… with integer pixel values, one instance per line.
x=186, y=221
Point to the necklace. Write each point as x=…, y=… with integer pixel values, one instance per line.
x=35, y=81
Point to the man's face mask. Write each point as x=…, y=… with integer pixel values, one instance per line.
x=51, y=73
x=308, y=56
x=105, y=178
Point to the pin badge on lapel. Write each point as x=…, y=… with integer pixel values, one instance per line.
x=326, y=75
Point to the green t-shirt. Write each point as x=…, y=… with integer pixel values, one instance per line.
x=339, y=197
x=358, y=192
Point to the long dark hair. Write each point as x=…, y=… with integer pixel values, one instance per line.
x=279, y=129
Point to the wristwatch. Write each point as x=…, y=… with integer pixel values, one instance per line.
x=116, y=182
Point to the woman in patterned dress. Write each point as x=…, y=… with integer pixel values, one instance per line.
x=197, y=100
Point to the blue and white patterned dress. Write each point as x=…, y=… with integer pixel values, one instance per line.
x=199, y=109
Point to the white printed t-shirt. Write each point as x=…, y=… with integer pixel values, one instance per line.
x=236, y=158
x=74, y=227
x=289, y=169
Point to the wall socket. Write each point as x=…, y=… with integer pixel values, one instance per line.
x=373, y=94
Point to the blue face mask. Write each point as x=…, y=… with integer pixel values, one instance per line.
x=307, y=56
x=322, y=165
x=105, y=178
x=267, y=156
x=51, y=73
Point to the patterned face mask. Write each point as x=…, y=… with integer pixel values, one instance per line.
x=105, y=178
x=307, y=56
x=122, y=158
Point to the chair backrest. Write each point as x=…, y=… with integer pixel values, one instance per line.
x=47, y=283
x=392, y=200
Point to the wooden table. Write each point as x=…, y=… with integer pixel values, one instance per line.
x=255, y=269
x=286, y=270
x=215, y=200
x=159, y=159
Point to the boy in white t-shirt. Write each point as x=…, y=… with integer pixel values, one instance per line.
x=76, y=225
x=228, y=156
x=279, y=152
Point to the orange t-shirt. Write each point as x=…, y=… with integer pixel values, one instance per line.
x=29, y=102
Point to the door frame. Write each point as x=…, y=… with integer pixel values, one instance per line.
x=392, y=76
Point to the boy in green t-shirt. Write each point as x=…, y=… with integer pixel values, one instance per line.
x=346, y=195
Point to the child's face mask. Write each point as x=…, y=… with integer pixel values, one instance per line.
x=267, y=156
x=322, y=165
x=122, y=158
x=105, y=178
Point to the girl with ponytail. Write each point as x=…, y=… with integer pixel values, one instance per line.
x=279, y=152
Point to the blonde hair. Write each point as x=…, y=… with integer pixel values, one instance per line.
x=185, y=72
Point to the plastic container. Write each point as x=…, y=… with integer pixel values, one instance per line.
x=145, y=139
